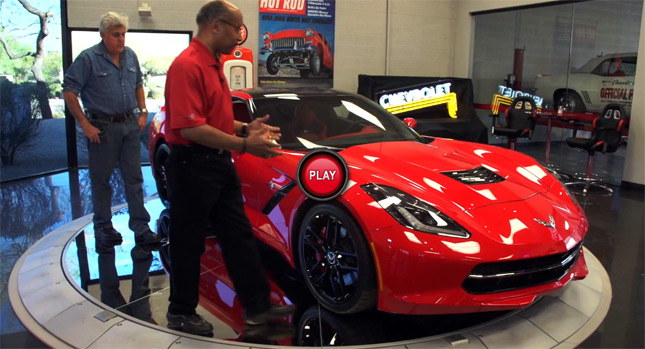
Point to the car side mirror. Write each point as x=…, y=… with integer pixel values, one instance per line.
x=411, y=122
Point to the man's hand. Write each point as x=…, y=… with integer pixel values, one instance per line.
x=259, y=124
x=262, y=143
x=142, y=120
x=91, y=132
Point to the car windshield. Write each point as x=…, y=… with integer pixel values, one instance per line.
x=606, y=65
x=336, y=122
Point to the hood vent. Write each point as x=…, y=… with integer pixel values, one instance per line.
x=479, y=175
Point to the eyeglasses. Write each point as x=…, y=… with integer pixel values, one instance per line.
x=238, y=29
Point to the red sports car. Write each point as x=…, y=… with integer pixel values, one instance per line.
x=305, y=50
x=424, y=225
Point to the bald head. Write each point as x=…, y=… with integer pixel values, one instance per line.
x=213, y=10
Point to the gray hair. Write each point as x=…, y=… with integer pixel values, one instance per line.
x=213, y=10
x=111, y=20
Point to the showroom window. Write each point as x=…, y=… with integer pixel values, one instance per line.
x=32, y=112
x=559, y=53
x=155, y=50
x=572, y=59
x=34, y=130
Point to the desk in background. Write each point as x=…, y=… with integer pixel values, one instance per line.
x=551, y=118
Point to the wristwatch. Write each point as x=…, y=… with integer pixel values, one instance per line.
x=144, y=110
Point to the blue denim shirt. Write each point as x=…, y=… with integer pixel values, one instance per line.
x=104, y=87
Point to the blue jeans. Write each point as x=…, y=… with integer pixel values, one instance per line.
x=120, y=146
x=139, y=305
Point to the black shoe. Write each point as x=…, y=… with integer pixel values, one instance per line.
x=108, y=237
x=147, y=238
x=268, y=332
x=273, y=313
x=194, y=324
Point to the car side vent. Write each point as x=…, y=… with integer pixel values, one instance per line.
x=479, y=175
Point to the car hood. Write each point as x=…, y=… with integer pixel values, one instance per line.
x=442, y=172
x=287, y=33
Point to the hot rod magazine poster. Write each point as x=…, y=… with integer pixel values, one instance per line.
x=296, y=43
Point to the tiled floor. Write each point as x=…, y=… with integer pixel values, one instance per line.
x=32, y=208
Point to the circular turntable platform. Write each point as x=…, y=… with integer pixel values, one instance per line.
x=53, y=307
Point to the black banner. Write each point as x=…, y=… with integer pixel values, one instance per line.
x=433, y=120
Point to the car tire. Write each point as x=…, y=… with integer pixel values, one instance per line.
x=272, y=64
x=160, y=165
x=163, y=229
x=321, y=328
x=315, y=62
x=343, y=285
x=570, y=101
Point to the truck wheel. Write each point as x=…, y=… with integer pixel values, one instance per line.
x=272, y=64
x=570, y=101
x=315, y=62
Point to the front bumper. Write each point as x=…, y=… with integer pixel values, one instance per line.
x=429, y=278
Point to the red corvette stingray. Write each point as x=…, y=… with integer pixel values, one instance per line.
x=424, y=226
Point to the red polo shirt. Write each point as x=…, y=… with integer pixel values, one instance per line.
x=197, y=93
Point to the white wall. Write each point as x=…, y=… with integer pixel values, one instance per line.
x=634, y=160
x=420, y=37
x=361, y=34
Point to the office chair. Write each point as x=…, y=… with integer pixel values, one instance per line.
x=605, y=137
x=520, y=121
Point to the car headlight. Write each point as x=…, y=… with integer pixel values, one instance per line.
x=309, y=32
x=266, y=36
x=413, y=212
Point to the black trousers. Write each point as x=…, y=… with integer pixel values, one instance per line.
x=205, y=190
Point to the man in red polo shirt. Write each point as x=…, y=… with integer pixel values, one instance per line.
x=204, y=187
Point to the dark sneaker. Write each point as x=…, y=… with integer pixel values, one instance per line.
x=194, y=324
x=108, y=237
x=273, y=313
x=268, y=332
x=147, y=238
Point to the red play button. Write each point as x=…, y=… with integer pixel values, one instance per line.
x=322, y=174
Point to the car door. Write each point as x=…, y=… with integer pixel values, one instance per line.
x=247, y=166
x=613, y=82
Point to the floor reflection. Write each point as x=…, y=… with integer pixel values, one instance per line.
x=314, y=325
x=123, y=261
x=34, y=207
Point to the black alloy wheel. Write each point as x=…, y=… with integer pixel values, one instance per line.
x=161, y=164
x=336, y=261
x=163, y=227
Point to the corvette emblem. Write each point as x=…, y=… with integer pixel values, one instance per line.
x=549, y=224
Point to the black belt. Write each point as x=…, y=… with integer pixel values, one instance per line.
x=199, y=149
x=110, y=118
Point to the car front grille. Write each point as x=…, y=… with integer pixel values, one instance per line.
x=478, y=175
x=512, y=275
x=287, y=43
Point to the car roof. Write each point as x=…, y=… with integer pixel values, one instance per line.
x=261, y=93
x=593, y=63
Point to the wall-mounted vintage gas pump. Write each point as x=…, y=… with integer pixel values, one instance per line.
x=238, y=66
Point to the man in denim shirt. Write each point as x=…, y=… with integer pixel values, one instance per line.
x=109, y=80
